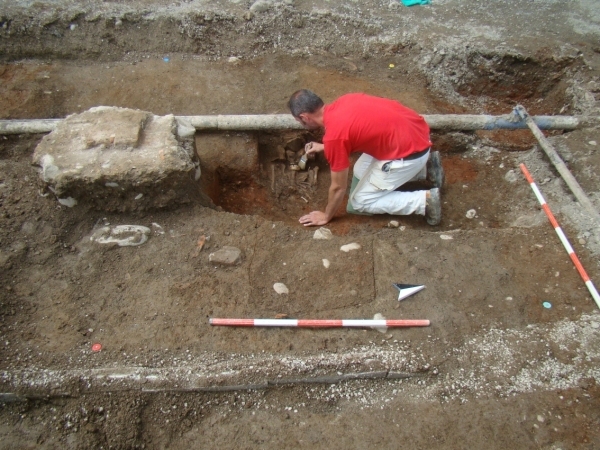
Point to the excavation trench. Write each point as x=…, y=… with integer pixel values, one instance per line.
x=64, y=293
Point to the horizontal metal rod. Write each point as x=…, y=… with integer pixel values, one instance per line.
x=442, y=122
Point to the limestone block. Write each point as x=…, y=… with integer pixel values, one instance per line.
x=118, y=159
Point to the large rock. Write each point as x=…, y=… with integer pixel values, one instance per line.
x=119, y=159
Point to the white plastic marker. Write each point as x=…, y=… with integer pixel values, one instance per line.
x=406, y=290
x=562, y=236
x=318, y=323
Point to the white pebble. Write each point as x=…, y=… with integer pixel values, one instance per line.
x=446, y=237
x=281, y=288
x=353, y=246
x=540, y=418
x=471, y=214
x=592, y=142
x=511, y=176
x=323, y=233
x=326, y=263
x=393, y=224
x=509, y=299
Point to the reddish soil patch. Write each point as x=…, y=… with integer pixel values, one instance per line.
x=458, y=169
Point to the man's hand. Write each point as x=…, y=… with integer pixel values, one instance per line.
x=337, y=189
x=314, y=218
x=313, y=147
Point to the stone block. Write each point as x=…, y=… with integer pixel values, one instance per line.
x=118, y=159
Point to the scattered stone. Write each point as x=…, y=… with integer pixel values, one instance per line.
x=326, y=263
x=227, y=256
x=379, y=316
x=582, y=241
x=157, y=229
x=541, y=419
x=233, y=59
x=261, y=6
x=511, y=176
x=593, y=143
x=393, y=224
x=323, y=233
x=199, y=246
x=348, y=247
x=509, y=299
x=446, y=237
x=122, y=235
x=595, y=325
x=471, y=214
x=281, y=288
x=69, y=201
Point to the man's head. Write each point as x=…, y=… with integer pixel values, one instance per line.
x=306, y=107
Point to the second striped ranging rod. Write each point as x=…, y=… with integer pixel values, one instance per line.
x=562, y=236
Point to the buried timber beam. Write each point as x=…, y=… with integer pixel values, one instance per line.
x=23, y=385
x=560, y=166
x=442, y=122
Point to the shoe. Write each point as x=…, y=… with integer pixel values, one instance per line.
x=433, y=207
x=435, y=171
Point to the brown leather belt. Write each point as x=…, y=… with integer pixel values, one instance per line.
x=416, y=155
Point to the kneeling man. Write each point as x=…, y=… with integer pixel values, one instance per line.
x=395, y=145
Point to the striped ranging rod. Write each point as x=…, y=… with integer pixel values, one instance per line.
x=318, y=323
x=562, y=236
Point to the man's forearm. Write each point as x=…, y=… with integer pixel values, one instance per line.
x=336, y=196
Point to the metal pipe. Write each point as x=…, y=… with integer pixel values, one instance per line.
x=559, y=164
x=442, y=122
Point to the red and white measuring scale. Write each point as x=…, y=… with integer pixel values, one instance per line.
x=562, y=236
x=318, y=323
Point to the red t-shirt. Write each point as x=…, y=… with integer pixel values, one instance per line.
x=382, y=128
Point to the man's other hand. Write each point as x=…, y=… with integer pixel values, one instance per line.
x=314, y=218
x=313, y=148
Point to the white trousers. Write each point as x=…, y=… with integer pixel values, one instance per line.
x=375, y=192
